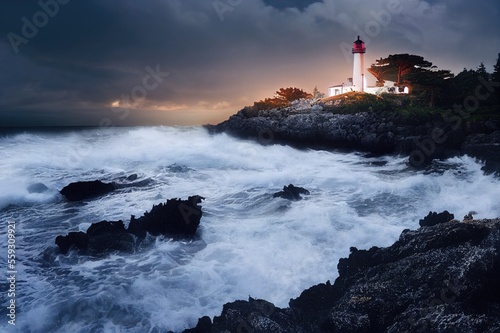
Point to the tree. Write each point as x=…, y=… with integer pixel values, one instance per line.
x=282, y=98
x=430, y=81
x=291, y=94
x=495, y=77
x=396, y=66
x=496, y=70
x=481, y=71
x=463, y=84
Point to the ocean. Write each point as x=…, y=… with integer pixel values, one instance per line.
x=248, y=243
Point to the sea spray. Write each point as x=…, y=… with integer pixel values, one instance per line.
x=248, y=243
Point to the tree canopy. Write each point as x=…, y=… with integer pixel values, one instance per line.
x=291, y=94
x=396, y=66
x=407, y=69
x=283, y=97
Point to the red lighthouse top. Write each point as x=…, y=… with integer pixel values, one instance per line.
x=359, y=46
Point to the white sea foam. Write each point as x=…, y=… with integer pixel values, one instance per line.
x=249, y=244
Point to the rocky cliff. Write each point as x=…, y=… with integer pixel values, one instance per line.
x=442, y=278
x=421, y=139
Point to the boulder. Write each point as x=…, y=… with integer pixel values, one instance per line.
x=86, y=190
x=291, y=192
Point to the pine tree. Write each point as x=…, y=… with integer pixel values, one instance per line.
x=496, y=70
x=481, y=71
x=495, y=77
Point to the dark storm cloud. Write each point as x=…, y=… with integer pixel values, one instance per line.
x=91, y=53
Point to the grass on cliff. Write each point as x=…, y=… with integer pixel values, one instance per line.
x=406, y=108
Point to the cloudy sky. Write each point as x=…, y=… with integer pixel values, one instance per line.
x=188, y=62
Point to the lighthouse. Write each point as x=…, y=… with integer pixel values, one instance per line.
x=358, y=82
x=358, y=69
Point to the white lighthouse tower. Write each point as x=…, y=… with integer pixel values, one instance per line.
x=358, y=69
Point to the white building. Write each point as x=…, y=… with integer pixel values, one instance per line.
x=358, y=80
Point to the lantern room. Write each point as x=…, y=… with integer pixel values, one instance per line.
x=359, y=46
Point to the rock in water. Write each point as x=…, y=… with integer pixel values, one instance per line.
x=437, y=279
x=176, y=217
x=434, y=218
x=107, y=236
x=85, y=190
x=79, y=239
x=291, y=192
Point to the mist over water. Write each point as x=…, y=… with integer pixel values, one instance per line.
x=248, y=243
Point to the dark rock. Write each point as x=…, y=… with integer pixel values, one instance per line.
x=291, y=192
x=79, y=239
x=204, y=326
x=135, y=227
x=105, y=227
x=174, y=218
x=254, y=315
x=85, y=190
x=107, y=237
x=434, y=218
x=436, y=279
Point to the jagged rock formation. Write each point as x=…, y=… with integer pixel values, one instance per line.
x=291, y=192
x=434, y=218
x=174, y=218
x=442, y=278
